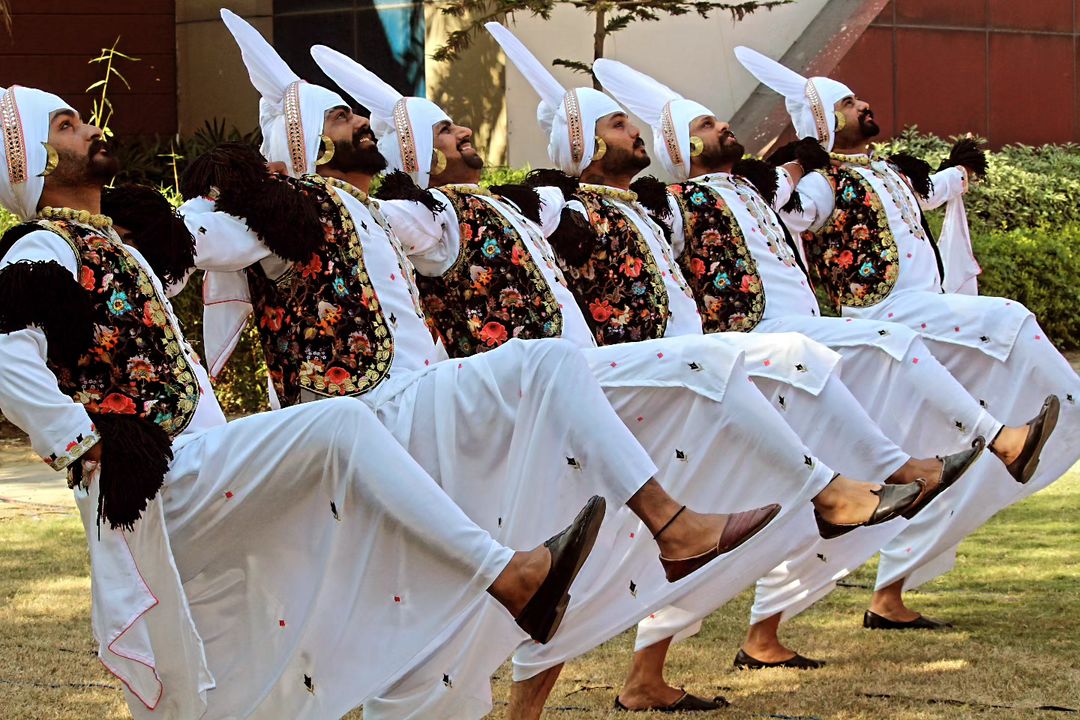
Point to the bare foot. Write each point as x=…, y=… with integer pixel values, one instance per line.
x=847, y=502
x=520, y=580
x=928, y=469
x=1009, y=443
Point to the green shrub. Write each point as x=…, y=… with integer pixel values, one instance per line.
x=1025, y=186
x=1038, y=267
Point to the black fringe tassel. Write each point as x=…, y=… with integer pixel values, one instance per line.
x=44, y=294
x=967, y=152
x=916, y=170
x=761, y=175
x=526, y=198
x=399, y=186
x=155, y=228
x=285, y=218
x=135, y=456
x=652, y=194
x=553, y=178
x=573, y=239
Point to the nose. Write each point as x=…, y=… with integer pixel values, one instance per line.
x=93, y=131
x=633, y=130
x=464, y=133
x=723, y=127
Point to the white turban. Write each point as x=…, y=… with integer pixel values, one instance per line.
x=26, y=115
x=568, y=116
x=810, y=102
x=667, y=112
x=291, y=112
x=402, y=125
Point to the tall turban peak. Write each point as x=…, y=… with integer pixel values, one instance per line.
x=291, y=111
x=567, y=116
x=809, y=101
x=402, y=125
x=667, y=112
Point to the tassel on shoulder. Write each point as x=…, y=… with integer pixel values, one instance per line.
x=761, y=175
x=275, y=207
x=135, y=456
x=653, y=196
x=45, y=295
x=524, y=197
x=916, y=170
x=398, y=185
x=572, y=241
x=553, y=178
x=154, y=228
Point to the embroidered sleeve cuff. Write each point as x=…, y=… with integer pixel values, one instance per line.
x=78, y=446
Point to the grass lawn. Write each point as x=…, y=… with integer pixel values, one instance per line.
x=1013, y=597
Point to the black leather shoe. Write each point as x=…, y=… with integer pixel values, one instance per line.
x=687, y=703
x=952, y=468
x=893, y=500
x=1041, y=426
x=745, y=661
x=873, y=621
x=544, y=612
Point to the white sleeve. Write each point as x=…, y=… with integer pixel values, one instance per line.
x=431, y=240
x=818, y=202
x=678, y=231
x=223, y=242
x=784, y=188
x=948, y=184
x=552, y=204
x=59, y=428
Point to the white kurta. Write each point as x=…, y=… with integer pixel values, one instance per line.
x=282, y=554
x=687, y=401
x=992, y=346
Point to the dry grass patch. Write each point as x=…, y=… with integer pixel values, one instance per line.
x=1013, y=597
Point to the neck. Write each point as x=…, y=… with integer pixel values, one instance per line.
x=360, y=181
x=698, y=169
x=86, y=197
x=456, y=176
x=861, y=147
x=595, y=176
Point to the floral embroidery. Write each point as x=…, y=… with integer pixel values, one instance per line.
x=321, y=324
x=717, y=262
x=854, y=255
x=618, y=286
x=494, y=290
x=135, y=366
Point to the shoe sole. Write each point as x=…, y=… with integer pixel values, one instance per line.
x=591, y=533
x=1048, y=429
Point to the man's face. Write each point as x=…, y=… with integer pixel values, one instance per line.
x=720, y=148
x=83, y=155
x=626, y=153
x=455, y=142
x=859, y=125
x=354, y=143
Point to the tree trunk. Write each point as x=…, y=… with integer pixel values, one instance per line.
x=598, y=39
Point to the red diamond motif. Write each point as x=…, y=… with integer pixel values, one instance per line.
x=228, y=494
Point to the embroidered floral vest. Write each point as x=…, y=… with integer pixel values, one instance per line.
x=494, y=291
x=618, y=286
x=717, y=262
x=854, y=255
x=135, y=365
x=321, y=325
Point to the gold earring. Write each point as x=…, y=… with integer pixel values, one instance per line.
x=438, y=164
x=328, y=150
x=51, y=160
x=841, y=120
x=601, y=149
x=697, y=146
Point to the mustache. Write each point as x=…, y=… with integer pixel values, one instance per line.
x=867, y=113
x=639, y=143
x=96, y=146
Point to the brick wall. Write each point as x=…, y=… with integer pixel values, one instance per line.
x=1004, y=69
x=51, y=41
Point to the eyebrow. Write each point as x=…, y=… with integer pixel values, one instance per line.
x=442, y=124
x=64, y=113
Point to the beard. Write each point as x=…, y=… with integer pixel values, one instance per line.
x=352, y=156
x=867, y=126
x=94, y=168
x=473, y=161
x=727, y=151
x=619, y=161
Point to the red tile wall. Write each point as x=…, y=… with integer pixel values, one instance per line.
x=51, y=41
x=1004, y=69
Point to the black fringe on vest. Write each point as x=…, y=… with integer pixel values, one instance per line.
x=155, y=229
x=44, y=294
x=916, y=170
x=553, y=178
x=399, y=186
x=761, y=175
x=284, y=218
x=524, y=197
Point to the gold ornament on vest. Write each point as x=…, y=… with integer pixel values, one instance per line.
x=328, y=150
x=697, y=146
x=601, y=149
x=438, y=162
